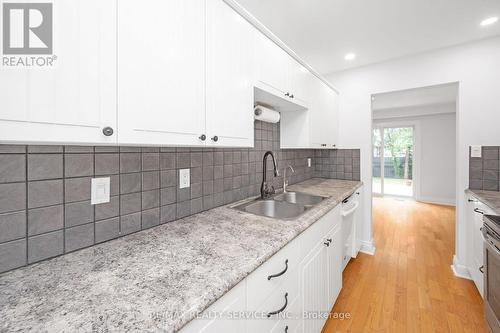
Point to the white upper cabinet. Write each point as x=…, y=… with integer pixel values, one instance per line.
x=279, y=73
x=75, y=98
x=230, y=77
x=161, y=72
x=323, y=115
x=272, y=66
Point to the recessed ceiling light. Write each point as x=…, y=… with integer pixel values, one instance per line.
x=488, y=21
x=350, y=56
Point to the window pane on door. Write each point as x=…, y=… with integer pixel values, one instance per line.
x=376, y=167
x=398, y=161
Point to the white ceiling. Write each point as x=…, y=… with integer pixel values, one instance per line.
x=321, y=32
x=432, y=95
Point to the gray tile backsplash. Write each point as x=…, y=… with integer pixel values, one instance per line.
x=45, y=208
x=484, y=172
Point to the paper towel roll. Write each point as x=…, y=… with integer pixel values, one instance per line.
x=265, y=114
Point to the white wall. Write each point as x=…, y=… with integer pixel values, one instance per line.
x=435, y=158
x=475, y=66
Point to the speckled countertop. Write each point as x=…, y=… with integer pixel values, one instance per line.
x=156, y=280
x=489, y=198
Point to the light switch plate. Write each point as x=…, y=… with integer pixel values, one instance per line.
x=309, y=162
x=475, y=151
x=100, y=190
x=184, y=178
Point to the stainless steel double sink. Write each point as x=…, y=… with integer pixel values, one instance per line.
x=286, y=205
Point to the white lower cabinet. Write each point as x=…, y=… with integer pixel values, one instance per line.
x=291, y=292
x=474, y=211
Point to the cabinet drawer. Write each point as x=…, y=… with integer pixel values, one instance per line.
x=310, y=237
x=261, y=284
x=275, y=302
x=292, y=323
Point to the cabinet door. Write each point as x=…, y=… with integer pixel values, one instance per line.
x=334, y=264
x=273, y=66
x=323, y=116
x=299, y=80
x=161, y=72
x=73, y=100
x=230, y=77
x=314, y=287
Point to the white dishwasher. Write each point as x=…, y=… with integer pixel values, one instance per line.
x=349, y=207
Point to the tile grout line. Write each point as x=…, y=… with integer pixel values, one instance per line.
x=26, y=198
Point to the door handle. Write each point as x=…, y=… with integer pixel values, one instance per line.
x=477, y=210
x=280, y=273
x=281, y=309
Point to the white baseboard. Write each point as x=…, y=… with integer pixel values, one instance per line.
x=460, y=270
x=437, y=201
x=367, y=247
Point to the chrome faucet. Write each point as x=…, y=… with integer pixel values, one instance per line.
x=285, y=182
x=265, y=190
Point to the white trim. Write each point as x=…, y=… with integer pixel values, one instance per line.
x=460, y=270
x=438, y=201
x=367, y=247
x=269, y=34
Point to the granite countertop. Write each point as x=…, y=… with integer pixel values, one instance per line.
x=155, y=280
x=489, y=198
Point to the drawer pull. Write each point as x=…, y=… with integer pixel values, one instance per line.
x=286, y=329
x=481, y=269
x=477, y=210
x=280, y=273
x=280, y=310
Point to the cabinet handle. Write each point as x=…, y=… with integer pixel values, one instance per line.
x=107, y=131
x=215, y=138
x=280, y=310
x=477, y=210
x=280, y=273
x=291, y=96
x=327, y=243
x=202, y=137
x=286, y=329
x=287, y=94
x=481, y=269
x=471, y=200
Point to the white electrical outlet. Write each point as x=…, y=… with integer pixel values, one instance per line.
x=309, y=162
x=100, y=188
x=475, y=151
x=184, y=178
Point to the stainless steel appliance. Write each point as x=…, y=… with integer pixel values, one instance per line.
x=491, y=236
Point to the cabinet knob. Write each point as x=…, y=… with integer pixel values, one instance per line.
x=287, y=94
x=215, y=138
x=107, y=131
x=291, y=96
x=202, y=137
x=481, y=269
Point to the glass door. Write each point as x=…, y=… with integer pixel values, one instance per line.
x=377, y=153
x=393, y=152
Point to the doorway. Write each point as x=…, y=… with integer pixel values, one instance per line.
x=393, y=161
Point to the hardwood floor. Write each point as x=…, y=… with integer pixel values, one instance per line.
x=408, y=285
